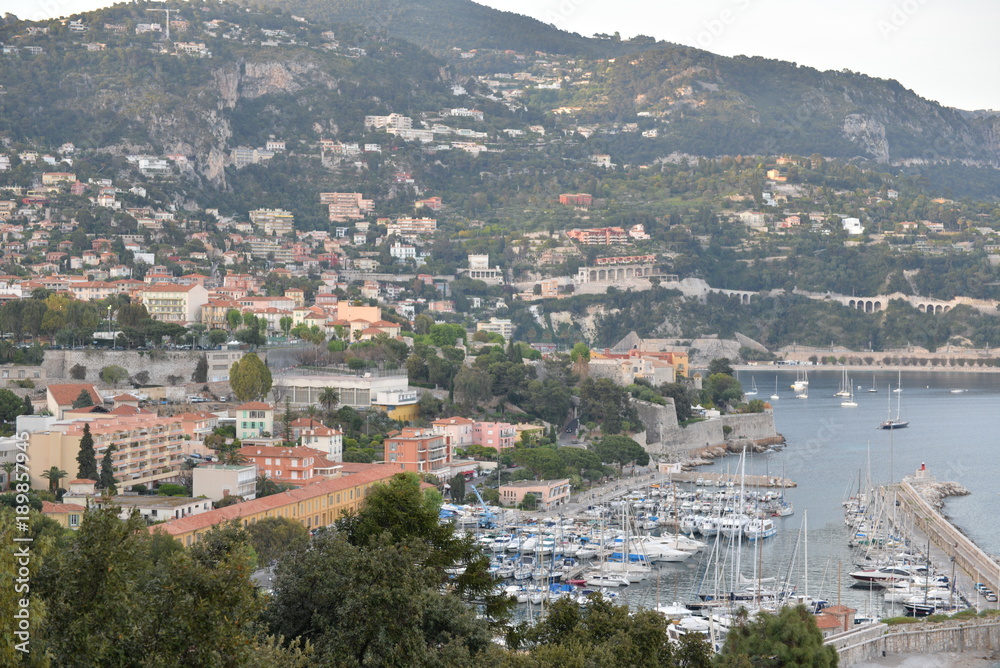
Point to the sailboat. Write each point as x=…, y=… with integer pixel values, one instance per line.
x=899, y=383
x=845, y=386
x=874, y=387
x=849, y=402
x=801, y=381
x=890, y=422
x=775, y=397
x=752, y=392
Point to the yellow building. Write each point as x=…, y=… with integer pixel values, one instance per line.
x=148, y=448
x=174, y=303
x=68, y=515
x=313, y=506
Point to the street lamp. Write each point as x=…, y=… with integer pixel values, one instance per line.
x=110, y=333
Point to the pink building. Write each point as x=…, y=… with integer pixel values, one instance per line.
x=499, y=435
x=456, y=430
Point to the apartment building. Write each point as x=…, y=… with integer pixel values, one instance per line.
x=499, y=435
x=601, y=236
x=419, y=450
x=295, y=465
x=148, y=447
x=174, y=303
x=456, y=430
x=343, y=207
x=502, y=326
x=412, y=226
x=581, y=200
x=273, y=222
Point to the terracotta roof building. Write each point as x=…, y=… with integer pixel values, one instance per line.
x=313, y=506
x=60, y=397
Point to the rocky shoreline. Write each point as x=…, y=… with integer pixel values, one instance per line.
x=936, y=493
x=705, y=456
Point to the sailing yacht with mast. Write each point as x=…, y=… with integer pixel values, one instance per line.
x=845, y=386
x=890, y=422
x=752, y=392
x=775, y=397
x=849, y=402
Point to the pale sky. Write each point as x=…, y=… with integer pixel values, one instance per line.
x=944, y=51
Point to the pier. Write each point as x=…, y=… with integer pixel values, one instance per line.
x=972, y=563
x=713, y=479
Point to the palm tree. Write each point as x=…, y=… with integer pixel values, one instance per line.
x=54, y=475
x=230, y=454
x=8, y=468
x=329, y=398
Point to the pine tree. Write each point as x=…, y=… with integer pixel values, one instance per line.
x=83, y=400
x=86, y=458
x=107, y=477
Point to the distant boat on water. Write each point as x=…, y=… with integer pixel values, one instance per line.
x=891, y=422
x=801, y=381
x=775, y=397
x=874, y=387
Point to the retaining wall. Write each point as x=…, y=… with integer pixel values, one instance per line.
x=880, y=640
x=158, y=363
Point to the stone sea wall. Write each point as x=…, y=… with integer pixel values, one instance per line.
x=666, y=440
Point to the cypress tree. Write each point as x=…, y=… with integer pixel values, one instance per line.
x=28, y=408
x=107, y=477
x=87, y=458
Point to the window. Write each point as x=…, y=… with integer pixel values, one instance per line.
x=74, y=520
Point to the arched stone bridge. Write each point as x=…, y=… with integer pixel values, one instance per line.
x=873, y=304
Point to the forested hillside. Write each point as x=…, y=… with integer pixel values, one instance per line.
x=440, y=25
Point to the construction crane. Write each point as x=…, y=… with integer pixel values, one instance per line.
x=167, y=12
x=487, y=519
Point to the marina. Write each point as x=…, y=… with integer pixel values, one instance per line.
x=745, y=538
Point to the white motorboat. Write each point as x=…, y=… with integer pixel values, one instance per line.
x=758, y=529
x=597, y=579
x=674, y=611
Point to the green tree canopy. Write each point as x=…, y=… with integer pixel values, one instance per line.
x=789, y=638
x=114, y=374
x=249, y=378
x=275, y=537
x=83, y=400
x=12, y=405
x=621, y=450
x=86, y=458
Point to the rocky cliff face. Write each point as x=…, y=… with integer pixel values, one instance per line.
x=869, y=134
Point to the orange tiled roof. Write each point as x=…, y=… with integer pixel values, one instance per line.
x=65, y=394
x=372, y=473
x=254, y=406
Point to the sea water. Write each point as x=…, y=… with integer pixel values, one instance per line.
x=829, y=447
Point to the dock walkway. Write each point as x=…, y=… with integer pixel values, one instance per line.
x=712, y=479
x=923, y=522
